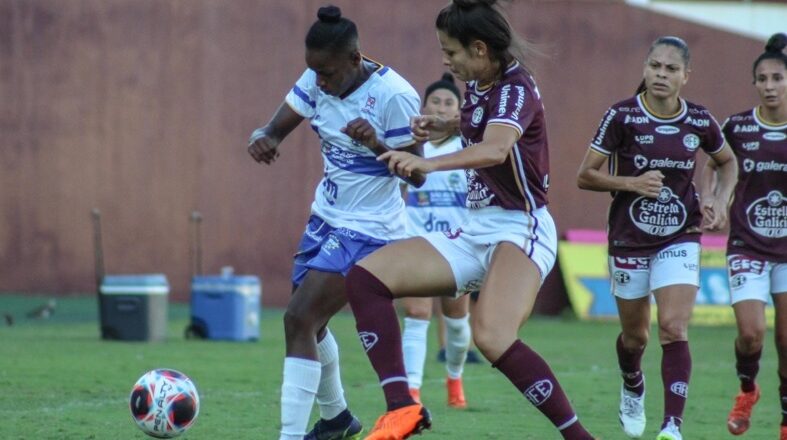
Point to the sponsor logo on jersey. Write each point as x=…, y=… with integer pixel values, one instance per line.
x=434, y=224
x=604, y=125
x=473, y=99
x=478, y=194
x=737, y=281
x=368, y=340
x=453, y=234
x=641, y=162
x=501, y=106
x=644, y=139
x=750, y=165
x=774, y=136
x=478, y=115
x=746, y=128
x=539, y=392
x=691, y=141
x=744, y=264
x=369, y=107
x=697, y=122
x=667, y=129
x=662, y=216
x=631, y=263
x=520, y=102
x=751, y=146
x=635, y=119
x=672, y=253
x=622, y=278
x=680, y=388
x=470, y=287
x=767, y=216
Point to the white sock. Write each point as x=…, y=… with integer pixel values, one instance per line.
x=414, y=350
x=457, y=341
x=330, y=394
x=298, y=388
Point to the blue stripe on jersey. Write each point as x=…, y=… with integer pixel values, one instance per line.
x=430, y=199
x=397, y=132
x=316, y=130
x=348, y=161
x=301, y=94
x=383, y=71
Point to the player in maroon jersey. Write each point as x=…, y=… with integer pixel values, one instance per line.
x=651, y=142
x=506, y=247
x=757, y=244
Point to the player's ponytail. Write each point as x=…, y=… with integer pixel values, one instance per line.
x=332, y=32
x=774, y=50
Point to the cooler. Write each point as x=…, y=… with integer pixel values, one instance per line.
x=225, y=307
x=134, y=307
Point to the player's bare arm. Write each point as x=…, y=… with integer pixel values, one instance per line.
x=264, y=142
x=591, y=177
x=431, y=127
x=716, y=203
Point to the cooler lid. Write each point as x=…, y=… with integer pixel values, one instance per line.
x=242, y=284
x=140, y=284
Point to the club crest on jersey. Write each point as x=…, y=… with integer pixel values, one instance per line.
x=667, y=129
x=369, y=107
x=691, y=141
x=368, y=340
x=622, y=278
x=662, y=216
x=473, y=99
x=478, y=115
x=767, y=216
x=737, y=281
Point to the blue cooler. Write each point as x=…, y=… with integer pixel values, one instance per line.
x=225, y=307
x=134, y=307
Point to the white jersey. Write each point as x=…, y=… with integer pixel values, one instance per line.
x=357, y=192
x=439, y=205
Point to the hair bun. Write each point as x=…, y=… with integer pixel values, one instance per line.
x=776, y=43
x=329, y=14
x=447, y=77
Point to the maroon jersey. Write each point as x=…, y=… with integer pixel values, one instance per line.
x=636, y=141
x=758, y=215
x=520, y=182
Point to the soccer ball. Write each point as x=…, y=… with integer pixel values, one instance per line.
x=164, y=403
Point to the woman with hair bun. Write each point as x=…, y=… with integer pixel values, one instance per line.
x=359, y=109
x=757, y=242
x=506, y=247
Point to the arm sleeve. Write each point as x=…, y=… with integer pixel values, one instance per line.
x=399, y=110
x=303, y=95
x=608, y=134
x=714, y=140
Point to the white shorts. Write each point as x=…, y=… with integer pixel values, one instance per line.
x=751, y=278
x=469, y=248
x=636, y=277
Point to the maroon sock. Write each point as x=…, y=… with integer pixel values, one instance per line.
x=675, y=373
x=378, y=327
x=747, y=367
x=783, y=397
x=630, y=367
x=533, y=377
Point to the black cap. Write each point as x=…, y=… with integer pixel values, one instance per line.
x=446, y=82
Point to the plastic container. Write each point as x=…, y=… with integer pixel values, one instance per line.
x=134, y=307
x=225, y=307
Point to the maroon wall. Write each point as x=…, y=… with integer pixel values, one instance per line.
x=142, y=108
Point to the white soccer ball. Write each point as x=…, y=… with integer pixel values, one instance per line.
x=164, y=403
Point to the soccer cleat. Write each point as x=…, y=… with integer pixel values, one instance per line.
x=783, y=433
x=670, y=432
x=324, y=431
x=456, y=393
x=415, y=393
x=739, y=419
x=401, y=423
x=632, y=413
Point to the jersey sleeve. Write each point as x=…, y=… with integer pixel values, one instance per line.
x=399, y=110
x=726, y=131
x=302, y=97
x=512, y=106
x=608, y=135
x=714, y=139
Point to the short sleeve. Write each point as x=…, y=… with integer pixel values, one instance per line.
x=512, y=106
x=714, y=140
x=303, y=95
x=608, y=135
x=399, y=110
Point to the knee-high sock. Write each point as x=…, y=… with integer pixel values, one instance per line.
x=457, y=340
x=675, y=373
x=298, y=388
x=630, y=367
x=747, y=366
x=783, y=396
x=414, y=349
x=330, y=394
x=531, y=375
x=378, y=329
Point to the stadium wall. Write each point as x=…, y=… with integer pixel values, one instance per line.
x=142, y=108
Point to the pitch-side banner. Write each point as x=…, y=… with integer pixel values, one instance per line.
x=586, y=275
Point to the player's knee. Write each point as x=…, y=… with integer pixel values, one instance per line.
x=418, y=311
x=781, y=345
x=636, y=340
x=673, y=331
x=298, y=321
x=750, y=340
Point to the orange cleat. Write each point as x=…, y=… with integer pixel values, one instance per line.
x=456, y=393
x=415, y=393
x=739, y=419
x=401, y=423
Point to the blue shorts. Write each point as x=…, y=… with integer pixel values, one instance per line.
x=330, y=249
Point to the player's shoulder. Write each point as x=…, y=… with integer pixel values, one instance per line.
x=628, y=105
x=391, y=83
x=742, y=117
x=695, y=109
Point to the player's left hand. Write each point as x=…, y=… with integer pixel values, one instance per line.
x=405, y=164
x=361, y=131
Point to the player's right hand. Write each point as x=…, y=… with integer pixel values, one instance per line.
x=423, y=125
x=648, y=184
x=262, y=147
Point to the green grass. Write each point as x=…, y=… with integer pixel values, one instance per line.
x=58, y=380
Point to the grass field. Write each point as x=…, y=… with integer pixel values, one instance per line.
x=58, y=380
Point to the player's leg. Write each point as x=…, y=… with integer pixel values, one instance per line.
x=505, y=302
x=750, y=320
x=417, y=313
x=779, y=287
x=406, y=268
x=458, y=336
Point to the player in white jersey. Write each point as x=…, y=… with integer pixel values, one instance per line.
x=439, y=205
x=359, y=109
